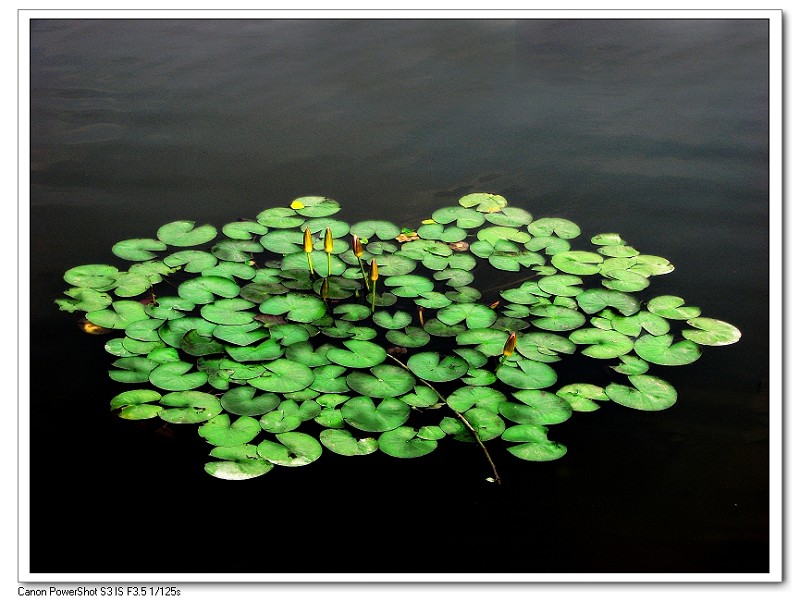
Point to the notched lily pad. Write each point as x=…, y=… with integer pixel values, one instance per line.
x=711, y=332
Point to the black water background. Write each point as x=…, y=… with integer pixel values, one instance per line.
x=653, y=129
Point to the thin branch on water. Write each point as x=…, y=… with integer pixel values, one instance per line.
x=460, y=416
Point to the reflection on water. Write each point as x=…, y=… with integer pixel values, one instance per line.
x=656, y=129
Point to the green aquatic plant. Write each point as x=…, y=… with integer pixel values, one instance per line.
x=296, y=333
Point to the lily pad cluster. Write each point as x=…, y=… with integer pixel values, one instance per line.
x=295, y=333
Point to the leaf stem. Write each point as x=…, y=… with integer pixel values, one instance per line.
x=458, y=414
x=363, y=272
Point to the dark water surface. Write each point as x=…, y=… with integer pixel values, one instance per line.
x=653, y=129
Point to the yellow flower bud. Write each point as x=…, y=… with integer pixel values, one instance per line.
x=510, y=344
x=308, y=244
x=328, y=241
x=358, y=249
x=373, y=272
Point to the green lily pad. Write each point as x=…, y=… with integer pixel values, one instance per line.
x=138, y=249
x=280, y=218
x=97, y=277
x=711, y=332
x=432, y=300
x=467, y=397
x=284, y=418
x=464, y=294
x=410, y=337
x=419, y=249
x=596, y=299
x=283, y=242
x=359, y=354
x=561, y=285
x=130, y=284
x=265, y=351
x=205, y=289
x=344, y=443
x=603, y=344
x=631, y=365
x=461, y=261
x=383, y=230
x=132, y=398
x=557, y=319
x=84, y=299
x=382, y=382
x=609, y=239
x=547, y=226
x=140, y=412
x=479, y=377
x=404, y=443
x=192, y=261
x=408, y=286
x=661, y=350
x=650, y=393
x=633, y=325
x=625, y=280
x=577, y=262
x=436, y=327
x=237, y=466
x=132, y=370
x=436, y=231
x=582, y=397
x=293, y=449
x=672, y=307
x=220, y=432
x=483, y=202
x=299, y=307
x=392, y=321
x=330, y=379
x=473, y=315
x=362, y=413
x=544, y=346
x=316, y=206
x=496, y=233
x=490, y=341
x=542, y=408
x=618, y=250
x=525, y=433
x=421, y=396
x=510, y=217
x=283, y=375
x=487, y=424
x=177, y=376
x=462, y=216
x=527, y=374
x=551, y=245
x=289, y=333
x=330, y=418
x=198, y=345
x=236, y=251
x=243, y=230
x=538, y=451
x=305, y=353
x=434, y=368
x=228, y=311
x=649, y=265
x=184, y=233
x=169, y=307
x=455, y=278
x=119, y=316
x=243, y=400
x=352, y=312
x=189, y=407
